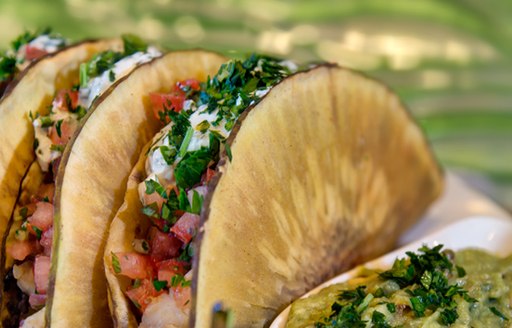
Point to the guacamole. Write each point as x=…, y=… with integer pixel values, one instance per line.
x=429, y=288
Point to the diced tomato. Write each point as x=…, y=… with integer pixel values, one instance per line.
x=67, y=128
x=169, y=268
x=192, y=83
x=182, y=296
x=66, y=100
x=134, y=265
x=46, y=241
x=163, y=245
x=166, y=101
x=19, y=250
x=154, y=198
x=32, y=53
x=36, y=300
x=142, y=295
x=45, y=191
x=43, y=216
x=41, y=273
x=186, y=227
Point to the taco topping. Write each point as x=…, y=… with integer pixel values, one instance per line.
x=32, y=248
x=199, y=117
x=27, y=48
x=54, y=130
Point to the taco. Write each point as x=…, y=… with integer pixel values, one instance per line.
x=38, y=118
x=264, y=181
x=91, y=184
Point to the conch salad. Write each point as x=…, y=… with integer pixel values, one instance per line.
x=429, y=288
x=180, y=163
x=26, y=48
x=32, y=248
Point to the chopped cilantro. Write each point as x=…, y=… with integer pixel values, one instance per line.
x=153, y=186
x=179, y=280
x=59, y=148
x=460, y=271
x=189, y=170
x=37, y=231
x=46, y=121
x=150, y=210
x=7, y=67
x=379, y=320
x=197, y=203
x=23, y=212
x=159, y=284
x=391, y=307
x=80, y=111
x=132, y=44
x=418, y=306
x=187, y=254
x=183, y=203
x=58, y=128
x=115, y=263
x=111, y=76
x=498, y=313
x=168, y=153
x=448, y=316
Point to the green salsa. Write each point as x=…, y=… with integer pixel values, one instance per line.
x=430, y=288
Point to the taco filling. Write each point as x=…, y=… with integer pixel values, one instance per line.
x=181, y=160
x=32, y=246
x=25, y=49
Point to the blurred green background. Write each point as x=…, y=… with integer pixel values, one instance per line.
x=450, y=61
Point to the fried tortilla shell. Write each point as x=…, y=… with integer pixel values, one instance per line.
x=91, y=186
x=326, y=172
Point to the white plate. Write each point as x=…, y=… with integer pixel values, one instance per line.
x=488, y=233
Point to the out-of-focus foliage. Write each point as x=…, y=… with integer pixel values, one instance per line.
x=451, y=61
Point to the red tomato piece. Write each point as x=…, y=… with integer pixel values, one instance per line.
x=66, y=100
x=46, y=241
x=134, y=265
x=166, y=101
x=32, y=53
x=43, y=216
x=36, y=300
x=186, y=227
x=163, y=245
x=19, y=250
x=192, y=83
x=67, y=128
x=154, y=198
x=169, y=268
x=182, y=296
x=142, y=295
x=41, y=273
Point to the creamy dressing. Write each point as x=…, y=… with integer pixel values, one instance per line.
x=97, y=85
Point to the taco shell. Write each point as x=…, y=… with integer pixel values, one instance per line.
x=92, y=183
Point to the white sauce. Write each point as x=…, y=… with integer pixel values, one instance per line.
x=97, y=85
x=47, y=43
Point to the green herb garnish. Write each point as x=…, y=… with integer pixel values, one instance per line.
x=498, y=313
x=159, y=284
x=189, y=170
x=115, y=263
